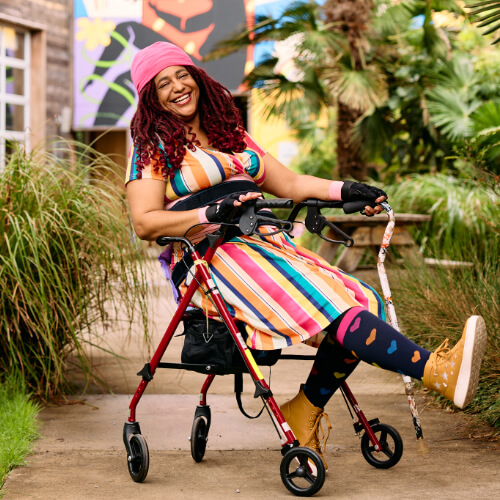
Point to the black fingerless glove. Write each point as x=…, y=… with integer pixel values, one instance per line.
x=354, y=191
x=224, y=211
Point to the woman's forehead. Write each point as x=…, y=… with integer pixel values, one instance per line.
x=169, y=72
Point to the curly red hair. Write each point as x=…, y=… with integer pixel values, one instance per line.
x=219, y=118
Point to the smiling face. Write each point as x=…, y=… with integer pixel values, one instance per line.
x=178, y=92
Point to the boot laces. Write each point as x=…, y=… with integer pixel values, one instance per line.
x=442, y=351
x=317, y=435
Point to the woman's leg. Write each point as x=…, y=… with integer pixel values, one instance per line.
x=452, y=372
x=360, y=335
x=332, y=365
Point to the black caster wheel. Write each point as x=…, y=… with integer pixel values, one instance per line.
x=199, y=437
x=138, y=463
x=302, y=471
x=392, y=447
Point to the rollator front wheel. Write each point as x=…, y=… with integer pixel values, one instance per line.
x=138, y=463
x=199, y=437
x=392, y=447
x=302, y=471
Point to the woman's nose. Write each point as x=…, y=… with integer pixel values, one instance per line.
x=178, y=85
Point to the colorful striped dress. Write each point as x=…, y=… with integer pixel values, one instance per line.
x=284, y=293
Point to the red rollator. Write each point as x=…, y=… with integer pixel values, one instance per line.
x=302, y=469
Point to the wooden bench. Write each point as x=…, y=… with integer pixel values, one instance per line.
x=367, y=233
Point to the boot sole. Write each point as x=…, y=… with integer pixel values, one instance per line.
x=474, y=347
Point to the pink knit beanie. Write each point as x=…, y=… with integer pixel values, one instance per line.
x=149, y=61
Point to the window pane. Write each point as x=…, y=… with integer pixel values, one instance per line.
x=14, y=117
x=14, y=81
x=14, y=43
x=12, y=147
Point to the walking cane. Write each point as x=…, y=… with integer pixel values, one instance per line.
x=421, y=443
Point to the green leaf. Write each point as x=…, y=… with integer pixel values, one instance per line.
x=450, y=112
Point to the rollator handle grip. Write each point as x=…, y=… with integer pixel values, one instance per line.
x=274, y=203
x=351, y=207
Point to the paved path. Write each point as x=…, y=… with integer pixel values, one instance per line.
x=81, y=454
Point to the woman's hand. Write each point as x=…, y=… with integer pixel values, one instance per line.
x=356, y=191
x=228, y=208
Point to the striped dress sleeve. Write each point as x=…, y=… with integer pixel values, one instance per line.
x=151, y=171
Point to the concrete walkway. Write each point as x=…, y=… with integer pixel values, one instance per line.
x=81, y=453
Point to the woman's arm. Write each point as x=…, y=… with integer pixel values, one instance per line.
x=150, y=220
x=282, y=182
x=146, y=198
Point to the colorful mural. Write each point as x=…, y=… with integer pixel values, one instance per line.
x=108, y=33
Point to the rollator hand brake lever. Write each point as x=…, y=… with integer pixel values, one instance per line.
x=315, y=223
x=250, y=220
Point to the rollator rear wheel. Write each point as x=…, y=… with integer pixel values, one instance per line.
x=138, y=466
x=302, y=471
x=199, y=437
x=392, y=447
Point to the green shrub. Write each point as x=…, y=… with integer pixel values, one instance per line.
x=67, y=262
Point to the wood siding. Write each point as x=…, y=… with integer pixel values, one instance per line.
x=52, y=26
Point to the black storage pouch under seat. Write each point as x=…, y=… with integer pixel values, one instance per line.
x=216, y=346
x=213, y=347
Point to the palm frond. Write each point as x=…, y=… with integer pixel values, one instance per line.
x=358, y=89
x=492, y=9
x=486, y=118
x=458, y=74
x=393, y=18
x=278, y=96
x=298, y=17
x=447, y=5
x=450, y=112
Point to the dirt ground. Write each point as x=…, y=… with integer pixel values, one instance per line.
x=81, y=453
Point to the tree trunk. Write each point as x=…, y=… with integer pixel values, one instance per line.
x=349, y=161
x=350, y=17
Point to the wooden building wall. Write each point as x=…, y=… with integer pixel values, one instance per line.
x=50, y=22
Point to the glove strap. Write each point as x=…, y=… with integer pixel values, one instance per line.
x=344, y=192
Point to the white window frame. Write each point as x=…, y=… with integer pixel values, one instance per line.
x=22, y=100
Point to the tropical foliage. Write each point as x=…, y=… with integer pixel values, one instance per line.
x=420, y=80
x=67, y=262
x=441, y=90
x=488, y=12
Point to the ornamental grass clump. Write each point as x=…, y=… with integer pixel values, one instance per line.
x=67, y=263
x=434, y=303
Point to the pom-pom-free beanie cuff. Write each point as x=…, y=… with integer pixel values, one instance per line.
x=149, y=61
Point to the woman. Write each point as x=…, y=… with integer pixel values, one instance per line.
x=188, y=137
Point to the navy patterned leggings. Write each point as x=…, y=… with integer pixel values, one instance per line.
x=360, y=335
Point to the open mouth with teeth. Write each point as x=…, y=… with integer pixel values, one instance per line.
x=183, y=99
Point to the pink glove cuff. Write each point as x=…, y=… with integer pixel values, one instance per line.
x=334, y=192
x=202, y=214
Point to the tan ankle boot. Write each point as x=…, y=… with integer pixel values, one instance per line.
x=454, y=373
x=305, y=421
